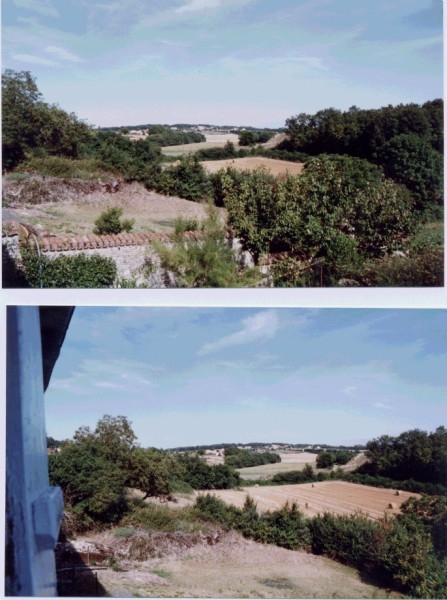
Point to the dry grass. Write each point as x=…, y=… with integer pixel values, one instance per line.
x=74, y=213
x=249, y=163
x=238, y=568
x=338, y=497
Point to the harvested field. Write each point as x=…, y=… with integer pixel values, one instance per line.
x=276, y=167
x=291, y=461
x=213, y=140
x=338, y=497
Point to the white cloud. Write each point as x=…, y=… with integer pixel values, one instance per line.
x=382, y=405
x=34, y=60
x=350, y=390
x=196, y=5
x=260, y=326
x=44, y=7
x=62, y=54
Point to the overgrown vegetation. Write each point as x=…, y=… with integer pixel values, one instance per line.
x=207, y=261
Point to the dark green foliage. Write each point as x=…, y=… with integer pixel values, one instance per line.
x=109, y=222
x=327, y=459
x=429, y=512
x=201, y=476
x=93, y=486
x=164, y=136
x=250, y=137
x=290, y=477
x=413, y=454
x=408, y=485
x=407, y=140
x=78, y=271
x=392, y=553
x=239, y=458
x=411, y=160
x=187, y=179
x=31, y=125
x=339, y=212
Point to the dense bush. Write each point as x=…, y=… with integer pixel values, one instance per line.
x=109, y=222
x=201, y=476
x=186, y=179
x=338, y=212
x=78, y=271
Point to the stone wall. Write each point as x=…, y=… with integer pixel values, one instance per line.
x=133, y=253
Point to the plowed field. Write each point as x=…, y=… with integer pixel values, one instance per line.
x=276, y=167
x=338, y=497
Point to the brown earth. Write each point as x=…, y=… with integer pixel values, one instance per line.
x=227, y=567
x=71, y=206
x=249, y=163
x=339, y=497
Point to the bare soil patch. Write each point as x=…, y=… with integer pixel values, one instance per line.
x=68, y=208
x=338, y=497
x=250, y=163
x=233, y=567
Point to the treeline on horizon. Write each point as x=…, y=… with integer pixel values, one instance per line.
x=356, y=215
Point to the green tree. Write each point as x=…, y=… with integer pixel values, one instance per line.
x=325, y=460
x=20, y=98
x=93, y=486
x=152, y=472
x=411, y=160
x=109, y=222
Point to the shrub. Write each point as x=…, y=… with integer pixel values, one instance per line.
x=109, y=222
x=78, y=271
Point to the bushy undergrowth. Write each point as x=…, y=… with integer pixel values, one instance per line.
x=159, y=517
x=66, y=168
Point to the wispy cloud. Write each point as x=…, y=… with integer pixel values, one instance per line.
x=383, y=405
x=197, y=5
x=43, y=7
x=62, y=54
x=34, y=60
x=260, y=326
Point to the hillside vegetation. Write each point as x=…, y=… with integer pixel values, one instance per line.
x=99, y=471
x=366, y=210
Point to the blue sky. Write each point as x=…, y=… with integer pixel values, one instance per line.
x=187, y=376
x=235, y=62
